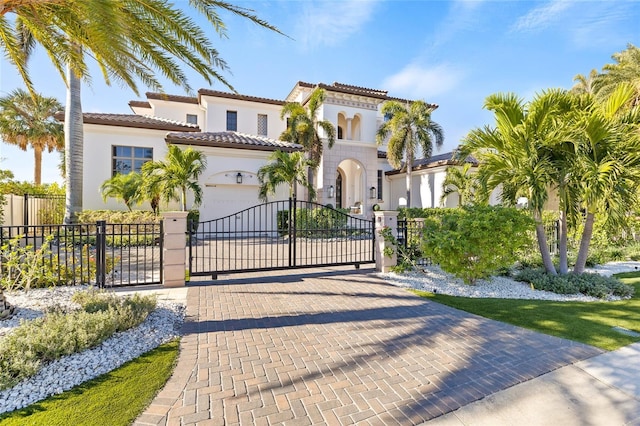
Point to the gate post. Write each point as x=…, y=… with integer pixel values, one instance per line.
x=101, y=253
x=384, y=219
x=174, y=249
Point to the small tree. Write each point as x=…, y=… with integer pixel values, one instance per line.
x=284, y=168
x=123, y=187
x=177, y=174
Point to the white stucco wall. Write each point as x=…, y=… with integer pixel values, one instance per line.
x=98, y=154
x=176, y=111
x=216, y=116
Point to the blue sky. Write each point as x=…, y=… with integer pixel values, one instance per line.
x=453, y=53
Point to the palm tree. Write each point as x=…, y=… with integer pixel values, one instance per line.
x=626, y=69
x=27, y=121
x=304, y=128
x=607, y=176
x=177, y=174
x=512, y=154
x=284, y=168
x=461, y=180
x=410, y=127
x=124, y=187
x=585, y=84
x=131, y=40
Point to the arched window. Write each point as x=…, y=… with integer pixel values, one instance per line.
x=339, y=132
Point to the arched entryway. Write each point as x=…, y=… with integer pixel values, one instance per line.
x=350, y=184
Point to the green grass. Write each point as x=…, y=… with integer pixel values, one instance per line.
x=115, y=398
x=589, y=323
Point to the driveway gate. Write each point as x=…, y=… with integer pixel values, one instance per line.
x=279, y=235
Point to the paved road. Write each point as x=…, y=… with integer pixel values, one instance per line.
x=339, y=346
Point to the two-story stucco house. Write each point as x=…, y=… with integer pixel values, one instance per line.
x=237, y=133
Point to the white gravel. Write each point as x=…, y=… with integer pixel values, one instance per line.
x=161, y=326
x=435, y=280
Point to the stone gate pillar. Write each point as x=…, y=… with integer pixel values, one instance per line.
x=385, y=219
x=174, y=249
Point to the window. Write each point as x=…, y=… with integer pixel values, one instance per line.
x=127, y=159
x=192, y=119
x=380, y=180
x=232, y=121
x=339, y=132
x=262, y=124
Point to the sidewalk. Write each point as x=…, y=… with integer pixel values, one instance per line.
x=603, y=390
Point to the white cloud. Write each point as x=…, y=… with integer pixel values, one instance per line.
x=541, y=16
x=329, y=22
x=417, y=82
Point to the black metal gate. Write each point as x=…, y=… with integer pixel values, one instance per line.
x=280, y=235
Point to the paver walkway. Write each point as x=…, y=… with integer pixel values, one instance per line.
x=339, y=346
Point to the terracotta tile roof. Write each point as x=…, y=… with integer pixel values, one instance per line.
x=140, y=104
x=172, y=98
x=135, y=121
x=445, y=159
x=227, y=95
x=231, y=140
x=357, y=90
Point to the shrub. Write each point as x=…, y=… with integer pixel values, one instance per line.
x=593, y=285
x=35, y=342
x=474, y=242
x=113, y=216
x=316, y=222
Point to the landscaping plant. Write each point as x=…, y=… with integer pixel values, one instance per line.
x=474, y=242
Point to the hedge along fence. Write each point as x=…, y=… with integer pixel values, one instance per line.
x=321, y=222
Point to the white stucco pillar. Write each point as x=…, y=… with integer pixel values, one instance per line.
x=174, y=249
x=349, y=128
x=385, y=219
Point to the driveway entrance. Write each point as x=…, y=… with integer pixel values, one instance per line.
x=340, y=346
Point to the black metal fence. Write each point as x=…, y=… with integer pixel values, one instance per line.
x=409, y=235
x=100, y=254
x=280, y=235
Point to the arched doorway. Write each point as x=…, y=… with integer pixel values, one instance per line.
x=339, y=190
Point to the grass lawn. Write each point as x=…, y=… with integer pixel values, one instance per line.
x=589, y=323
x=114, y=399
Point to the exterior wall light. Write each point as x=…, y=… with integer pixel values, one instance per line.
x=239, y=178
x=332, y=191
x=372, y=192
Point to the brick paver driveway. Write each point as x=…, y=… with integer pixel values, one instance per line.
x=339, y=346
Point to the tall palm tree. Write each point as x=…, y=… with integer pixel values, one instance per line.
x=177, y=174
x=626, y=69
x=585, y=84
x=410, y=127
x=124, y=187
x=131, y=40
x=27, y=121
x=304, y=128
x=284, y=168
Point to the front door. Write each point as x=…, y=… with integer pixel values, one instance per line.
x=339, y=191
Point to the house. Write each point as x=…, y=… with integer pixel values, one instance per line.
x=237, y=133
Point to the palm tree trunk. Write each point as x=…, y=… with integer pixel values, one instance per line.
x=543, y=247
x=37, y=155
x=73, y=145
x=184, y=199
x=562, y=244
x=585, y=241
